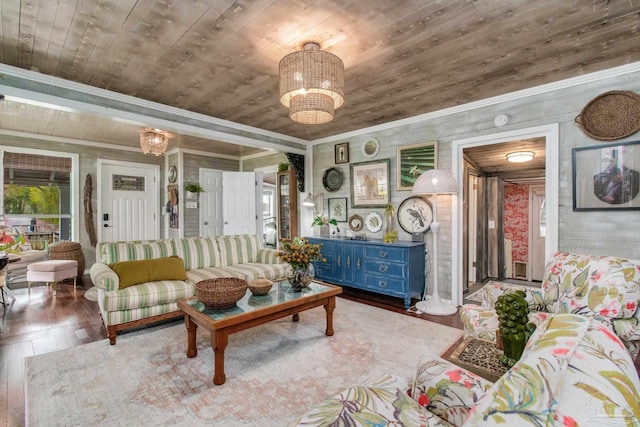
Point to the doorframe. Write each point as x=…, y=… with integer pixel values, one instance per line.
x=532, y=189
x=551, y=134
x=155, y=190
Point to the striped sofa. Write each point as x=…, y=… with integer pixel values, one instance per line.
x=240, y=256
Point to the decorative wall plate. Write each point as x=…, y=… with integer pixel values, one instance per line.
x=415, y=215
x=173, y=174
x=373, y=222
x=370, y=148
x=332, y=179
x=356, y=223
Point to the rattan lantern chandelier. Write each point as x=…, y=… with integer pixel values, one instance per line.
x=153, y=141
x=311, y=84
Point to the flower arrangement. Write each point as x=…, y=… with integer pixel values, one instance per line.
x=299, y=253
x=323, y=220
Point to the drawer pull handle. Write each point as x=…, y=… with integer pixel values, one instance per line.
x=338, y=260
x=358, y=263
x=383, y=283
x=383, y=268
x=383, y=254
x=348, y=262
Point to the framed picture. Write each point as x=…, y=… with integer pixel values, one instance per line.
x=414, y=160
x=606, y=177
x=370, y=184
x=338, y=209
x=342, y=153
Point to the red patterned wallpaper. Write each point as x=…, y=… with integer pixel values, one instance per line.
x=516, y=220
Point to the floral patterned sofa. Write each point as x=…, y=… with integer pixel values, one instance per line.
x=603, y=287
x=573, y=371
x=240, y=256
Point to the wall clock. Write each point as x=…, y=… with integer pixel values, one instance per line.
x=373, y=222
x=173, y=174
x=415, y=215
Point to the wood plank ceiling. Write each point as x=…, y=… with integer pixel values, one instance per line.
x=220, y=57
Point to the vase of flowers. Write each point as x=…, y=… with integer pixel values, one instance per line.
x=299, y=253
x=323, y=222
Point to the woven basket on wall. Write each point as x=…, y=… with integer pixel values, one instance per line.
x=219, y=294
x=68, y=251
x=612, y=115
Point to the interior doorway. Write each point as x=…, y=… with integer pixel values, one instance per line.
x=549, y=134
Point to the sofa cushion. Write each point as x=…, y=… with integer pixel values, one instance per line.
x=252, y=271
x=198, y=252
x=147, y=294
x=200, y=274
x=592, y=285
x=239, y=249
x=149, y=270
x=135, y=250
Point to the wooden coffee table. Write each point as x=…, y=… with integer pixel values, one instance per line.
x=252, y=311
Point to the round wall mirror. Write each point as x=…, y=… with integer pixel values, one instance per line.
x=370, y=148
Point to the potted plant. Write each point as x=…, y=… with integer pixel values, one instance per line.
x=192, y=189
x=323, y=222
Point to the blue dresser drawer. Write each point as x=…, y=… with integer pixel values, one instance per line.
x=385, y=268
x=386, y=253
x=383, y=284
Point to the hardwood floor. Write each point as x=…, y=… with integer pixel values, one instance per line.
x=38, y=323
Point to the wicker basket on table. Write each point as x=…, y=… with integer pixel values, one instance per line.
x=220, y=294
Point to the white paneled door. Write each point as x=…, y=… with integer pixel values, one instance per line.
x=211, y=222
x=128, y=201
x=240, y=193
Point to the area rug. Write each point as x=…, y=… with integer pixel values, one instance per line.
x=477, y=356
x=275, y=372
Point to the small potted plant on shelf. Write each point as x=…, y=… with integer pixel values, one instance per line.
x=323, y=222
x=192, y=189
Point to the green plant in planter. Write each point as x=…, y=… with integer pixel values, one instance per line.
x=515, y=329
x=193, y=187
x=284, y=166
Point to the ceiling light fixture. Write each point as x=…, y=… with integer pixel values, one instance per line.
x=311, y=84
x=153, y=141
x=520, y=156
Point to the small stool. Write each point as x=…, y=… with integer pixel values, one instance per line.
x=52, y=272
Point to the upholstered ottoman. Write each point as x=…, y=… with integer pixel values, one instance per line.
x=52, y=272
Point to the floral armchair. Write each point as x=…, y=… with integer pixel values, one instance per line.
x=573, y=371
x=603, y=287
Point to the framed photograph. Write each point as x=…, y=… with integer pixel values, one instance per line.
x=342, y=153
x=338, y=209
x=414, y=160
x=370, y=184
x=606, y=177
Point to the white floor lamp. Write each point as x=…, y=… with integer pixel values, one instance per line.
x=432, y=183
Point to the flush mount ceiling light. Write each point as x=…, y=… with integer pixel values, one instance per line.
x=520, y=156
x=153, y=141
x=311, y=84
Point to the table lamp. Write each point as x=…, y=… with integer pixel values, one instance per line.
x=432, y=183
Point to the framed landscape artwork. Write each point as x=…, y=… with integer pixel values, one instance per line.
x=414, y=160
x=370, y=184
x=606, y=177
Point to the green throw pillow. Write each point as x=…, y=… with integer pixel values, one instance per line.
x=149, y=270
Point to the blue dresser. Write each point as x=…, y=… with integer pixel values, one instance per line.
x=394, y=269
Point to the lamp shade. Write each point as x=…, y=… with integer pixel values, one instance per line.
x=153, y=141
x=311, y=84
x=309, y=201
x=435, y=181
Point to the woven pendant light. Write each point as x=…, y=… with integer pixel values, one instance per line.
x=311, y=84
